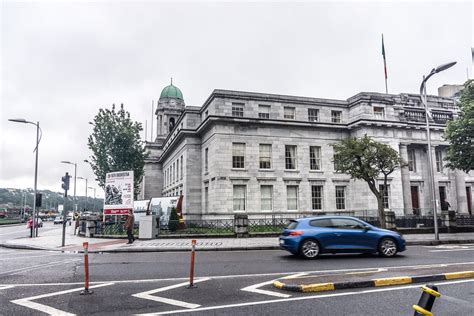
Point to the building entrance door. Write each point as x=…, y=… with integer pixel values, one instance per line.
x=442, y=199
x=415, y=202
x=469, y=200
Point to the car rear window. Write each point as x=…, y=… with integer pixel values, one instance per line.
x=292, y=225
x=321, y=223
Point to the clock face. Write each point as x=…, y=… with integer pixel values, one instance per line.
x=172, y=102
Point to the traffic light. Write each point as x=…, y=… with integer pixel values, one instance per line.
x=65, y=184
x=38, y=199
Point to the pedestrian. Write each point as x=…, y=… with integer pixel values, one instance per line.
x=129, y=223
x=76, y=227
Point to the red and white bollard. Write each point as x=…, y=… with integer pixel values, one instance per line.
x=86, y=290
x=191, y=268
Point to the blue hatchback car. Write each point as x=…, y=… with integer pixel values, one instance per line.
x=312, y=236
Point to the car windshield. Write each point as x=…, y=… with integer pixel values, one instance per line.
x=292, y=225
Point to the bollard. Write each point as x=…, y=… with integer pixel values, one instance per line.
x=86, y=290
x=425, y=304
x=191, y=268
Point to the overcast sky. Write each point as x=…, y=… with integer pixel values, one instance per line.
x=61, y=62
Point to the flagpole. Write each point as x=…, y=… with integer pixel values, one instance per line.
x=384, y=65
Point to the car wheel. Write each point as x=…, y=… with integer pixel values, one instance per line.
x=309, y=249
x=387, y=247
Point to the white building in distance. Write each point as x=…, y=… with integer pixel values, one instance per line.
x=260, y=153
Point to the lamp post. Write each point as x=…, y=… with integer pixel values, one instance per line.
x=86, y=190
x=94, y=197
x=38, y=138
x=75, y=174
x=428, y=137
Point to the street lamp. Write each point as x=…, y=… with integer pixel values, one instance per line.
x=75, y=173
x=428, y=137
x=86, y=190
x=94, y=196
x=38, y=139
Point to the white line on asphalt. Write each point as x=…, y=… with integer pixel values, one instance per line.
x=37, y=256
x=27, y=301
x=448, y=250
x=255, y=289
x=248, y=275
x=320, y=296
x=4, y=287
x=148, y=295
x=39, y=266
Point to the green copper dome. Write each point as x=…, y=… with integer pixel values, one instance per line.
x=171, y=92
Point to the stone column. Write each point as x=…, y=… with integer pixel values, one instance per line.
x=461, y=197
x=407, y=207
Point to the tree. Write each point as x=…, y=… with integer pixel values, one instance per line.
x=366, y=159
x=173, y=223
x=116, y=146
x=460, y=132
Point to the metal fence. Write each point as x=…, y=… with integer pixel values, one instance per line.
x=268, y=223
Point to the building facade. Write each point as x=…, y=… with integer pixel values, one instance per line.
x=260, y=153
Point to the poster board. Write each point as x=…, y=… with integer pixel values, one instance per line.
x=162, y=206
x=118, y=192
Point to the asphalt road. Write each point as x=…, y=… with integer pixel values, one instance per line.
x=227, y=283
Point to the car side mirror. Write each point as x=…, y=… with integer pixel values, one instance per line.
x=366, y=227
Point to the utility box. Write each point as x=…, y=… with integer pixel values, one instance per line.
x=147, y=227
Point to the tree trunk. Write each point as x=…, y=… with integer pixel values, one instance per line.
x=381, y=212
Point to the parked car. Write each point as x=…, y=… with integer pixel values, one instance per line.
x=39, y=223
x=58, y=220
x=312, y=236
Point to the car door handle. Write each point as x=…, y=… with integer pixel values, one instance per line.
x=338, y=234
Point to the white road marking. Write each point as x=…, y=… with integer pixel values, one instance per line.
x=37, y=256
x=148, y=295
x=301, y=298
x=247, y=275
x=27, y=301
x=255, y=287
x=4, y=287
x=39, y=266
x=449, y=250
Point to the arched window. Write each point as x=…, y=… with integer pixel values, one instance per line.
x=171, y=124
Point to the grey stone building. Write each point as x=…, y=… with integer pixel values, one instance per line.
x=262, y=153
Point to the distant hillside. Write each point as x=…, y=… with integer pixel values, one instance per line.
x=16, y=198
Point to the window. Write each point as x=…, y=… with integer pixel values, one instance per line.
x=289, y=113
x=206, y=198
x=265, y=156
x=379, y=112
x=292, y=197
x=336, y=116
x=181, y=167
x=206, y=161
x=439, y=160
x=166, y=182
x=238, y=109
x=290, y=157
x=172, y=172
x=266, y=197
x=313, y=115
x=177, y=169
x=317, y=197
x=238, y=155
x=206, y=114
x=264, y=111
x=315, y=158
x=239, y=197
x=386, y=198
x=344, y=223
x=340, y=198
x=411, y=160
x=337, y=163
x=321, y=223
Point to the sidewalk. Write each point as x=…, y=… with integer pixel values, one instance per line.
x=51, y=240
